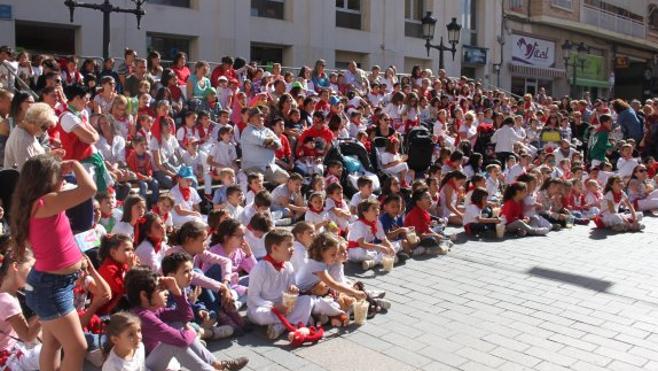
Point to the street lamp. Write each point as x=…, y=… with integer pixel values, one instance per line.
x=106, y=8
x=454, y=28
x=577, y=52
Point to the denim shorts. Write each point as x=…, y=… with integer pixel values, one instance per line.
x=49, y=295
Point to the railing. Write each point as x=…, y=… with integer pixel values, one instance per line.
x=610, y=21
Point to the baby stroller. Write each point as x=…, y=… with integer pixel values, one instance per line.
x=356, y=163
x=420, y=147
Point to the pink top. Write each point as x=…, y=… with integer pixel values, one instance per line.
x=52, y=242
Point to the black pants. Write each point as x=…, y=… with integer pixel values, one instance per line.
x=502, y=157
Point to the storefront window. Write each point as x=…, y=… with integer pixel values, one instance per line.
x=522, y=85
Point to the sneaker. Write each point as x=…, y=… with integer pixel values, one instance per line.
x=447, y=244
x=367, y=264
x=556, y=227
x=376, y=294
x=233, y=364
x=418, y=251
x=384, y=304
x=581, y=221
x=521, y=233
x=541, y=231
x=221, y=332
x=274, y=331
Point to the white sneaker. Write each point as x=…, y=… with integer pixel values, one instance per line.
x=274, y=331
x=221, y=332
x=367, y=264
x=384, y=304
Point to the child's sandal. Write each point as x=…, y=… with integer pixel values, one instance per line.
x=340, y=320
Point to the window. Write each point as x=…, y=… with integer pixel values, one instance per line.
x=45, y=38
x=653, y=17
x=264, y=54
x=348, y=14
x=178, y=3
x=413, y=14
x=469, y=22
x=167, y=45
x=564, y=4
x=516, y=5
x=267, y=8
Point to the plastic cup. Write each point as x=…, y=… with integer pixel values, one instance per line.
x=387, y=263
x=289, y=300
x=500, y=230
x=360, y=312
x=412, y=238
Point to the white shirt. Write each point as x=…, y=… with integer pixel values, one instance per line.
x=299, y=256
x=625, y=167
x=257, y=244
x=266, y=285
x=116, y=363
x=513, y=173
x=360, y=230
x=180, y=201
x=224, y=153
x=504, y=138
x=124, y=228
x=306, y=277
x=330, y=204
x=471, y=214
x=314, y=218
x=114, y=153
x=233, y=211
x=357, y=198
x=169, y=150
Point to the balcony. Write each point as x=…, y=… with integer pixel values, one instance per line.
x=612, y=22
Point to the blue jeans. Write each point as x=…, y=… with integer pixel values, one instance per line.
x=211, y=299
x=154, y=186
x=164, y=179
x=49, y=295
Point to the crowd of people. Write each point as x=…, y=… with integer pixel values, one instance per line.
x=159, y=208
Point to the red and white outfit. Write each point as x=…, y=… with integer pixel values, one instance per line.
x=340, y=221
x=186, y=199
x=74, y=147
x=370, y=232
x=14, y=354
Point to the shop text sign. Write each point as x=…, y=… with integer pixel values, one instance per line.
x=534, y=52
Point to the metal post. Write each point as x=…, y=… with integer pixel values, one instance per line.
x=441, y=49
x=106, y=29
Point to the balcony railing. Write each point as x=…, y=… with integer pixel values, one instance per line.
x=604, y=19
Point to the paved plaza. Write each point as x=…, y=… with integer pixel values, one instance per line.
x=577, y=299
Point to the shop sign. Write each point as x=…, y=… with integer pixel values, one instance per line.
x=622, y=61
x=474, y=55
x=592, y=68
x=531, y=51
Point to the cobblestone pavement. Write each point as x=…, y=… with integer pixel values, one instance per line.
x=577, y=299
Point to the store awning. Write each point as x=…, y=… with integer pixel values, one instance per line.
x=532, y=71
x=592, y=83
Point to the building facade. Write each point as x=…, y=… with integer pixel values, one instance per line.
x=621, y=39
x=292, y=32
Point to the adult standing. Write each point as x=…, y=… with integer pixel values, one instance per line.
x=504, y=138
x=631, y=127
x=132, y=82
x=259, y=145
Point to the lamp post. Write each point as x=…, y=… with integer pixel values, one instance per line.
x=454, y=28
x=568, y=49
x=106, y=8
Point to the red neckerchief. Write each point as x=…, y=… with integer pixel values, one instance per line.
x=186, y=192
x=156, y=210
x=616, y=196
x=106, y=215
x=339, y=204
x=317, y=211
x=136, y=229
x=157, y=245
x=277, y=265
x=372, y=225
